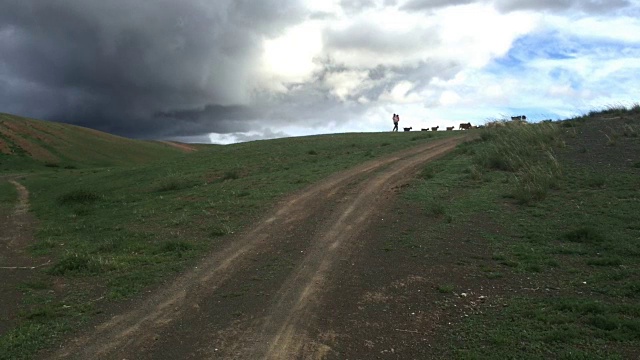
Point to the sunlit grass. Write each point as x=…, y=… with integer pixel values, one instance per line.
x=526, y=151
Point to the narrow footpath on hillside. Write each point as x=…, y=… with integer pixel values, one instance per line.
x=257, y=298
x=16, y=265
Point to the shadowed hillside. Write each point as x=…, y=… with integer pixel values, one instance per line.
x=25, y=143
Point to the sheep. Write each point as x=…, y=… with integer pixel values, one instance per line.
x=435, y=128
x=423, y=129
x=466, y=126
x=450, y=128
x=408, y=129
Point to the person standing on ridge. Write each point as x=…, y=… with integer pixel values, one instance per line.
x=396, y=120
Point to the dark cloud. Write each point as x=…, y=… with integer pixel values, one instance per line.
x=116, y=65
x=585, y=6
x=368, y=37
x=307, y=105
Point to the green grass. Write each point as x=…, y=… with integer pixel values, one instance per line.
x=128, y=228
x=551, y=329
x=445, y=289
x=20, y=163
x=174, y=183
x=78, y=196
x=527, y=153
x=562, y=223
x=584, y=234
x=615, y=110
x=64, y=147
x=8, y=195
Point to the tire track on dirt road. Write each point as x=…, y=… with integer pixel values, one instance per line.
x=282, y=334
x=323, y=220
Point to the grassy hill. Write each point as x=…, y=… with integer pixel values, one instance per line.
x=112, y=232
x=541, y=217
x=28, y=143
x=525, y=244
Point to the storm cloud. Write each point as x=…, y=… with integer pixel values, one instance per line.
x=123, y=66
x=237, y=70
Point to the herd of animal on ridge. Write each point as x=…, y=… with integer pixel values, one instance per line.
x=466, y=126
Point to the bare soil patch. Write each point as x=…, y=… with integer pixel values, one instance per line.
x=19, y=135
x=394, y=299
x=4, y=147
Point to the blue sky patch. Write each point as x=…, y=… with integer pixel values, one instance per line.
x=558, y=46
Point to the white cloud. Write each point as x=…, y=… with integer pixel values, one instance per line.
x=401, y=94
x=290, y=57
x=448, y=98
x=475, y=34
x=363, y=100
x=345, y=84
x=618, y=29
x=236, y=137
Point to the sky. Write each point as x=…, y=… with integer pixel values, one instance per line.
x=226, y=71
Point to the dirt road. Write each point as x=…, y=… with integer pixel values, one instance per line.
x=256, y=298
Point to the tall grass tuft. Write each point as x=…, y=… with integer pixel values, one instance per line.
x=78, y=196
x=526, y=150
x=177, y=248
x=230, y=175
x=616, y=110
x=80, y=264
x=586, y=234
x=611, y=110
x=173, y=183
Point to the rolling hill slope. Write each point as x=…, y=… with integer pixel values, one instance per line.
x=520, y=243
x=25, y=143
